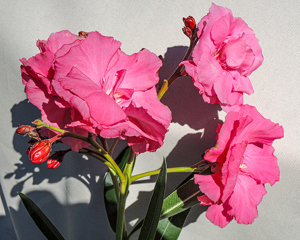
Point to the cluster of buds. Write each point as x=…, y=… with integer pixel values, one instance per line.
x=190, y=28
x=39, y=150
x=28, y=130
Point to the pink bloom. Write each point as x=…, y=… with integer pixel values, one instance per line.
x=227, y=52
x=89, y=84
x=37, y=73
x=245, y=162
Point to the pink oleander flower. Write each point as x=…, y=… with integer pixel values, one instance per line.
x=89, y=84
x=37, y=73
x=226, y=54
x=245, y=162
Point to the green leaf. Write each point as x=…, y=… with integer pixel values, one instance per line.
x=170, y=228
x=154, y=209
x=181, y=199
x=40, y=219
x=175, y=210
x=110, y=199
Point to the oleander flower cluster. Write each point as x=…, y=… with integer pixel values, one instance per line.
x=87, y=84
x=242, y=160
x=88, y=90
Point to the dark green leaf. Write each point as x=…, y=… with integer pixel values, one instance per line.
x=154, y=209
x=177, y=204
x=110, y=199
x=40, y=219
x=170, y=228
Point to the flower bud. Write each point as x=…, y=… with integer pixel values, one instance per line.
x=39, y=123
x=56, y=158
x=24, y=130
x=187, y=31
x=189, y=22
x=34, y=135
x=40, y=151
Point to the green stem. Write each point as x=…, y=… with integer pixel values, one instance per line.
x=121, y=232
x=95, y=155
x=121, y=223
x=169, y=170
x=129, y=165
x=115, y=182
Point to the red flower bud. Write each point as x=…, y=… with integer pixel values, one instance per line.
x=189, y=22
x=24, y=129
x=53, y=163
x=40, y=151
x=56, y=158
x=187, y=31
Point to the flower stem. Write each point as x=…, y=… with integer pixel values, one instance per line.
x=121, y=223
x=121, y=232
x=177, y=73
x=112, y=147
x=169, y=170
x=89, y=140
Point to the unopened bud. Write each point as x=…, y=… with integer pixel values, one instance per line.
x=189, y=22
x=40, y=151
x=56, y=158
x=24, y=129
x=39, y=123
x=187, y=31
x=34, y=135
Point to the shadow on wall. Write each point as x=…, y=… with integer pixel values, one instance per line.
x=81, y=221
x=75, y=221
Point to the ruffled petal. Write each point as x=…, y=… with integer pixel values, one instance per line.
x=245, y=198
x=260, y=163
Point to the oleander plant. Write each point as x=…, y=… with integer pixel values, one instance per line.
x=88, y=91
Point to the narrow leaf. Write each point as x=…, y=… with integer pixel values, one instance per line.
x=154, y=209
x=170, y=228
x=181, y=200
x=110, y=198
x=40, y=219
